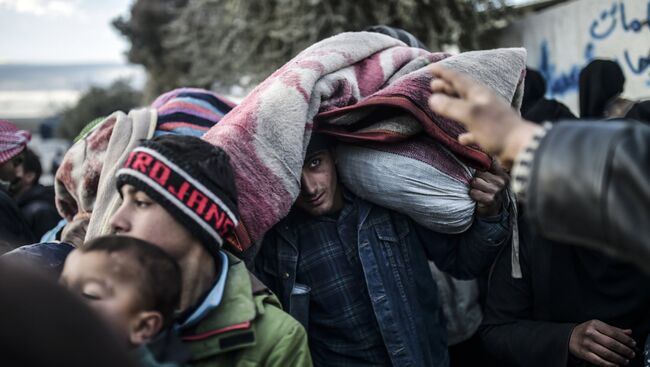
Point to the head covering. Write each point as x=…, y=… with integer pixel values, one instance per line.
x=548, y=110
x=189, y=111
x=397, y=33
x=191, y=179
x=600, y=81
x=12, y=140
x=534, y=89
x=85, y=180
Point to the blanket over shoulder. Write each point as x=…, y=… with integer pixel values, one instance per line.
x=348, y=85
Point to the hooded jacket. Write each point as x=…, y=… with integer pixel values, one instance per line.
x=248, y=328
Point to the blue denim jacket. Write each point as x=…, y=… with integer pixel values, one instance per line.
x=393, y=252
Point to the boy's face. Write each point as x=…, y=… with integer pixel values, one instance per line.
x=108, y=284
x=141, y=217
x=319, y=189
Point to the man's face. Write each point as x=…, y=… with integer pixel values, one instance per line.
x=141, y=217
x=319, y=191
x=11, y=170
x=107, y=283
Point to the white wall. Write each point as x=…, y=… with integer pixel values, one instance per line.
x=561, y=40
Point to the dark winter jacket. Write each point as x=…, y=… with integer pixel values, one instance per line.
x=37, y=206
x=529, y=321
x=590, y=185
x=14, y=230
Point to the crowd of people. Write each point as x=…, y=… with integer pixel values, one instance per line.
x=197, y=232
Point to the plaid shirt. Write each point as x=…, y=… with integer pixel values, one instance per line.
x=392, y=287
x=343, y=330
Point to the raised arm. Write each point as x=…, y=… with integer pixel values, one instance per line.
x=468, y=254
x=588, y=183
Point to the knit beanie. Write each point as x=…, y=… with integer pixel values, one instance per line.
x=191, y=179
x=12, y=140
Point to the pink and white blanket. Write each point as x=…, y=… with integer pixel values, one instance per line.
x=348, y=85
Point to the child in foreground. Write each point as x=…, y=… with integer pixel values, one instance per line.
x=133, y=285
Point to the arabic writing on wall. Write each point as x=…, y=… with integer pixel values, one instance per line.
x=601, y=28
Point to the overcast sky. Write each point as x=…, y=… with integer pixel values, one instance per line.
x=64, y=31
x=61, y=31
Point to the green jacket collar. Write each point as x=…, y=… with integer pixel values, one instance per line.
x=229, y=326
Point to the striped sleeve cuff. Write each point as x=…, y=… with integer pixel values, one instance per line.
x=524, y=162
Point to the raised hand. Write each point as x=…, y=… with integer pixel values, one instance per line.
x=490, y=121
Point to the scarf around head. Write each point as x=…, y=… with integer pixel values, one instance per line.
x=12, y=140
x=85, y=181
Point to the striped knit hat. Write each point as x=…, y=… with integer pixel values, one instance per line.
x=189, y=111
x=190, y=178
x=12, y=140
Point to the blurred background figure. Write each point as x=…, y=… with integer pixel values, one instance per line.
x=535, y=107
x=35, y=201
x=601, y=84
x=14, y=230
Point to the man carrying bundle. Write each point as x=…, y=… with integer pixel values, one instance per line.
x=356, y=274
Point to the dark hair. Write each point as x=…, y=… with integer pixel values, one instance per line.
x=160, y=283
x=319, y=142
x=31, y=163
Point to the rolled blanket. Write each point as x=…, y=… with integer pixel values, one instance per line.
x=85, y=181
x=417, y=177
x=351, y=79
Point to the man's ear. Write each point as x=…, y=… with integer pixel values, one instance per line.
x=145, y=325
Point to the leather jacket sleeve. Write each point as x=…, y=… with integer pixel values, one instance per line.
x=590, y=185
